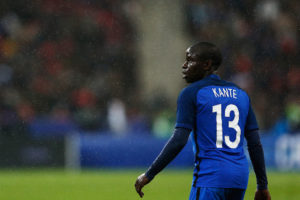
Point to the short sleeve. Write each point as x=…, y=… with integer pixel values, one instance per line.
x=186, y=109
x=251, y=123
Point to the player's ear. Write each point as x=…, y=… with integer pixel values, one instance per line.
x=207, y=65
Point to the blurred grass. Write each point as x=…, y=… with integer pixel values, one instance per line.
x=118, y=184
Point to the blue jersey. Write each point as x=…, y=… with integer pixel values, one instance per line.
x=218, y=113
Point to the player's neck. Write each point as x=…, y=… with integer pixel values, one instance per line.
x=208, y=73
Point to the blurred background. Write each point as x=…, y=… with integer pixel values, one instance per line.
x=94, y=83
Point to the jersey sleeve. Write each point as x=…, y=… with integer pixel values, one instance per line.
x=186, y=108
x=251, y=123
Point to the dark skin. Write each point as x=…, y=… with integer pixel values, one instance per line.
x=262, y=195
x=140, y=182
x=193, y=69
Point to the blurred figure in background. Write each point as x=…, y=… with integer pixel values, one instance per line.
x=117, y=119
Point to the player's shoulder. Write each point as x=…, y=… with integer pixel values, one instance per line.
x=191, y=89
x=186, y=92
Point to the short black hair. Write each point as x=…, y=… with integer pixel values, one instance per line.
x=208, y=51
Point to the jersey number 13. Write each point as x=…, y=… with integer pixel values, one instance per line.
x=231, y=124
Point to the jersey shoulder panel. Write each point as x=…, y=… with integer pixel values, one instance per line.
x=187, y=105
x=190, y=92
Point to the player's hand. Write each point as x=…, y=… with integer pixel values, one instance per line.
x=140, y=182
x=262, y=195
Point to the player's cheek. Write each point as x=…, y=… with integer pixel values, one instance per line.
x=191, y=67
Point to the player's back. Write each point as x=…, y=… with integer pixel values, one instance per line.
x=221, y=111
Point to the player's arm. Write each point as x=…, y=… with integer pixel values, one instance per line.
x=184, y=125
x=257, y=156
x=169, y=152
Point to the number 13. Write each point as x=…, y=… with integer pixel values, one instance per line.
x=231, y=124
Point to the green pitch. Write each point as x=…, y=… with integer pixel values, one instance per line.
x=118, y=184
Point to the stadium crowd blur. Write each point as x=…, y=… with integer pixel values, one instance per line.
x=71, y=65
x=62, y=61
x=260, y=40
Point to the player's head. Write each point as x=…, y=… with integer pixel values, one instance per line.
x=202, y=59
